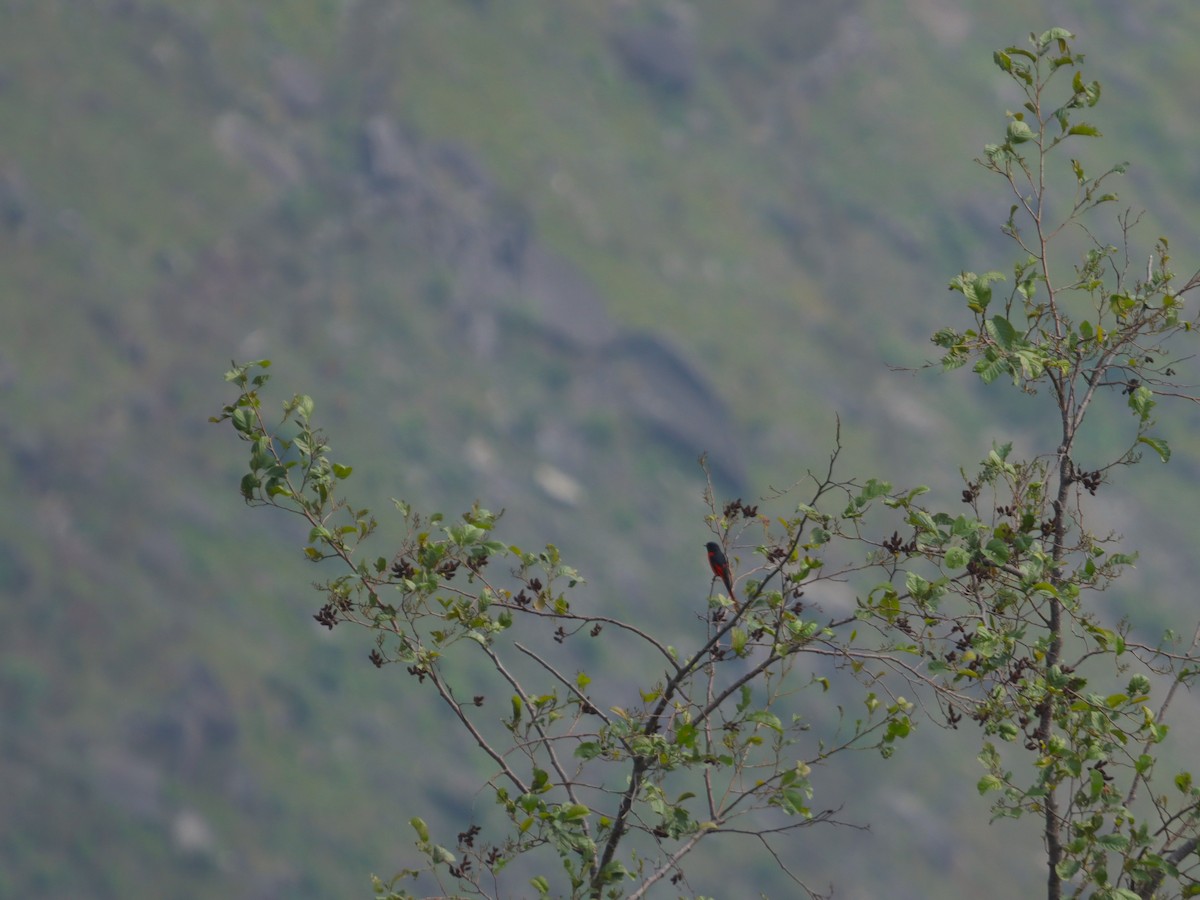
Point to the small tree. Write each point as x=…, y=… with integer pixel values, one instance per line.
x=620, y=794
x=986, y=611
x=999, y=599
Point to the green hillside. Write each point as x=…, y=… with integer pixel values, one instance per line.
x=538, y=254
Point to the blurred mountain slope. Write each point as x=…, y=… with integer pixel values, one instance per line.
x=538, y=254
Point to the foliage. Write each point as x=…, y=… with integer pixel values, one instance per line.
x=1001, y=599
x=716, y=745
x=990, y=614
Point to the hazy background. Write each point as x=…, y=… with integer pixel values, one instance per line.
x=542, y=254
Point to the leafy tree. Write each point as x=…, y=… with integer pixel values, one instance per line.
x=986, y=610
x=1004, y=610
x=716, y=744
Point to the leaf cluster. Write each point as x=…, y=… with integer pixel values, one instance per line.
x=619, y=794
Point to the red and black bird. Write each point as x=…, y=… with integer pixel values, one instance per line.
x=720, y=566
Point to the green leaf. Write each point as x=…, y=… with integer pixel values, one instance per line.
x=769, y=719
x=1158, y=445
x=1141, y=401
x=956, y=558
x=1067, y=868
x=685, y=734
x=1084, y=129
x=900, y=727
x=874, y=488
x=1019, y=132
x=976, y=288
x=1059, y=35
x=745, y=698
x=997, y=550
x=1033, y=364
x=250, y=485
x=737, y=640
x=1113, y=841
x=1139, y=685
x=1002, y=332
x=991, y=368
x=989, y=783
x=916, y=585
x=243, y=419
x=342, y=472
x=420, y=827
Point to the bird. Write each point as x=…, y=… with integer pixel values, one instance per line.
x=720, y=567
